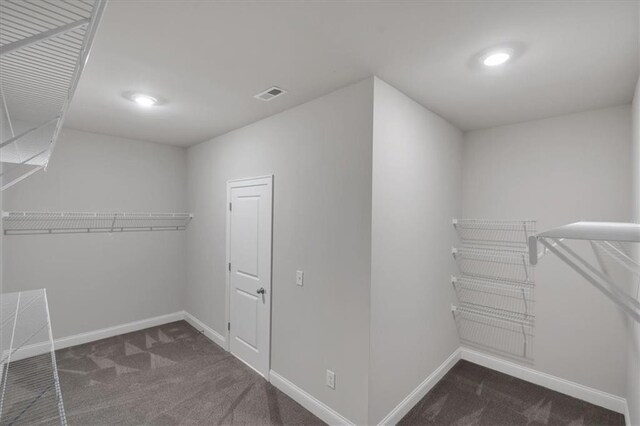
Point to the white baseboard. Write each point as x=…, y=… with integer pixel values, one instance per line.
x=91, y=336
x=627, y=413
x=585, y=393
x=327, y=414
x=213, y=335
x=318, y=408
x=419, y=392
x=103, y=333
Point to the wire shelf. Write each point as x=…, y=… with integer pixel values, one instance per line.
x=496, y=314
x=43, y=49
x=495, y=233
x=494, y=264
x=495, y=331
x=29, y=385
x=495, y=288
x=515, y=298
x=20, y=223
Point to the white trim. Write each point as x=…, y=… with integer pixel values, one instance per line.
x=227, y=276
x=239, y=183
x=327, y=414
x=627, y=413
x=576, y=390
x=103, y=333
x=250, y=178
x=315, y=406
x=420, y=391
x=209, y=332
x=91, y=336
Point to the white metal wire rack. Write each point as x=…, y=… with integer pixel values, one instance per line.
x=517, y=298
x=618, y=252
x=495, y=287
x=494, y=313
x=495, y=330
x=495, y=233
x=44, y=46
x=20, y=223
x=612, y=240
x=494, y=264
x=29, y=385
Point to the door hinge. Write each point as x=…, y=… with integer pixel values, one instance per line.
x=229, y=326
x=229, y=266
x=229, y=206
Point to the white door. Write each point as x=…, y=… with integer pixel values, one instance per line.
x=249, y=255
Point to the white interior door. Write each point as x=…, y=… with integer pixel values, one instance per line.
x=249, y=255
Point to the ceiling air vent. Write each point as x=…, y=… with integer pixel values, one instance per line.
x=270, y=93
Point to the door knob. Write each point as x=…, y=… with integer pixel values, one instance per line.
x=261, y=290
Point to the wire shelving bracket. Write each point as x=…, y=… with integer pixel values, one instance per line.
x=606, y=238
x=29, y=384
x=43, y=51
x=27, y=223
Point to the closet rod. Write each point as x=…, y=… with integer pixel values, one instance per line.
x=599, y=234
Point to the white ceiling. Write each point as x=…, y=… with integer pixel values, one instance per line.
x=208, y=59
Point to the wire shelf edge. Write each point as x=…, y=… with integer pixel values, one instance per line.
x=26, y=223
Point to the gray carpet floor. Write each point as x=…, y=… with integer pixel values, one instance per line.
x=168, y=375
x=172, y=374
x=473, y=395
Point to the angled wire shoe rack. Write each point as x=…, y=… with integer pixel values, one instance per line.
x=29, y=385
x=507, y=265
x=495, y=286
x=27, y=223
x=494, y=233
x=44, y=46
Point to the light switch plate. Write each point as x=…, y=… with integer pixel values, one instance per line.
x=299, y=278
x=331, y=379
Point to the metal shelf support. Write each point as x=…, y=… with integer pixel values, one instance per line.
x=41, y=61
x=600, y=235
x=26, y=42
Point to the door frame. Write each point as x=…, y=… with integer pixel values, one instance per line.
x=239, y=183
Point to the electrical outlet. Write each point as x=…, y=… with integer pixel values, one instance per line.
x=331, y=379
x=299, y=278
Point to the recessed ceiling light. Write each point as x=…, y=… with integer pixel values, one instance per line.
x=144, y=100
x=494, y=59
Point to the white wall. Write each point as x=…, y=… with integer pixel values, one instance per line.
x=416, y=191
x=366, y=182
x=633, y=357
x=2, y=289
x=557, y=171
x=101, y=280
x=320, y=155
